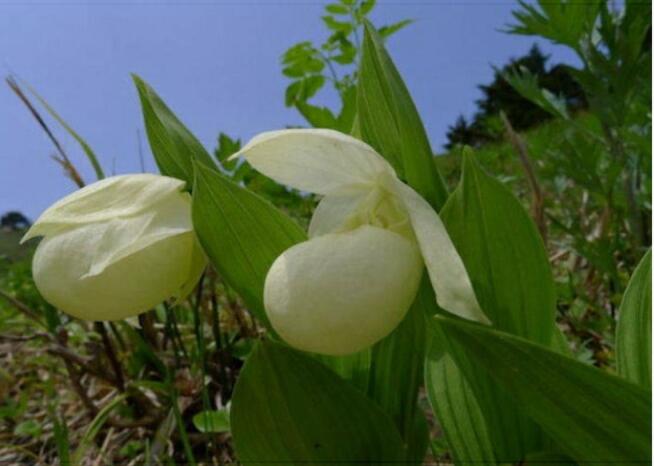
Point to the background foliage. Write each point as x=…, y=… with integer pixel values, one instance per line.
x=561, y=176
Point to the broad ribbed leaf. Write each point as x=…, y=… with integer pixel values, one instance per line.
x=397, y=369
x=508, y=266
x=289, y=409
x=593, y=416
x=634, y=333
x=389, y=122
x=174, y=147
x=503, y=253
x=456, y=406
x=354, y=368
x=387, y=119
x=241, y=233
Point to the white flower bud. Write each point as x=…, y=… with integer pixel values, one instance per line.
x=117, y=247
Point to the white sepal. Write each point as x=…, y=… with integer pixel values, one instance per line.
x=448, y=275
x=320, y=161
x=114, y=197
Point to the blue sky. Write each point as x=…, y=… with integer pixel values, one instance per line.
x=216, y=64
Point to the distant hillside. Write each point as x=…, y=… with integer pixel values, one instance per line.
x=10, y=246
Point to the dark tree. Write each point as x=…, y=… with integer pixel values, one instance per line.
x=14, y=221
x=499, y=95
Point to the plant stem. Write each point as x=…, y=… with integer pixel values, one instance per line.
x=111, y=355
x=188, y=451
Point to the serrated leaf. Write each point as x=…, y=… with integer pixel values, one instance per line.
x=174, y=147
x=241, y=233
x=562, y=22
x=226, y=147
x=389, y=121
x=634, y=332
x=290, y=409
x=526, y=84
x=593, y=416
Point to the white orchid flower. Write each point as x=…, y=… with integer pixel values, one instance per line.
x=117, y=247
x=353, y=281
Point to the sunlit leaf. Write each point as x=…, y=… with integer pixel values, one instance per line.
x=388, y=120
x=174, y=147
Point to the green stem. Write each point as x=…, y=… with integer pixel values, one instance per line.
x=188, y=451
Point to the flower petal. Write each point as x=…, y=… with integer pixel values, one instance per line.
x=124, y=236
x=114, y=197
x=126, y=288
x=447, y=273
x=340, y=293
x=336, y=211
x=320, y=161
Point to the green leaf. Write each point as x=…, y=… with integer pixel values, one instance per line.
x=593, y=416
x=509, y=269
x=83, y=144
x=634, y=332
x=345, y=119
x=562, y=22
x=61, y=437
x=303, y=89
x=526, y=84
x=174, y=147
x=226, y=147
x=318, y=117
x=456, y=407
x=94, y=428
x=347, y=55
x=397, y=363
x=337, y=26
x=390, y=29
x=355, y=368
x=336, y=9
x=291, y=95
x=290, y=409
x=389, y=121
x=503, y=254
x=366, y=7
x=241, y=233
x=29, y=428
x=212, y=421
